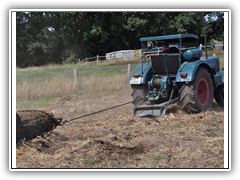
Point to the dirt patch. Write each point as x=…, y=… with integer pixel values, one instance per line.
x=111, y=151
x=121, y=150
x=46, y=143
x=130, y=122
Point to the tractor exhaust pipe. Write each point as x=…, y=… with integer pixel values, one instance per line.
x=205, y=39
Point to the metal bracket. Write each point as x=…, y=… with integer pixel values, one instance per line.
x=153, y=110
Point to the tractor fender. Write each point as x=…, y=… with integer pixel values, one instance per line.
x=220, y=73
x=144, y=71
x=190, y=69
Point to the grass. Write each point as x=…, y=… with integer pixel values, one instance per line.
x=68, y=67
x=90, y=161
x=175, y=125
x=46, y=96
x=57, y=68
x=158, y=157
x=221, y=59
x=135, y=60
x=45, y=90
x=41, y=79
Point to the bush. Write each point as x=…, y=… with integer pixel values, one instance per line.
x=70, y=59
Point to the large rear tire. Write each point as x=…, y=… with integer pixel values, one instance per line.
x=197, y=96
x=138, y=94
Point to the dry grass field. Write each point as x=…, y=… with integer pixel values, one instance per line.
x=114, y=138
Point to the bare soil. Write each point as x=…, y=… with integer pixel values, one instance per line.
x=115, y=139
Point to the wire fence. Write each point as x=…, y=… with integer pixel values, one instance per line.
x=75, y=74
x=63, y=72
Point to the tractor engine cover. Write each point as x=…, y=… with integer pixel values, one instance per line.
x=193, y=54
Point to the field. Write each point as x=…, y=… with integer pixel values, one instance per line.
x=113, y=138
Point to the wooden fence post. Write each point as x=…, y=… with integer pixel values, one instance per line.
x=201, y=46
x=97, y=58
x=129, y=66
x=86, y=59
x=75, y=76
x=114, y=57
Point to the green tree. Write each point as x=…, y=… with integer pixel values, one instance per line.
x=59, y=37
x=215, y=26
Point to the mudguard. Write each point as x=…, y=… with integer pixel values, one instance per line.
x=221, y=74
x=190, y=68
x=219, y=81
x=145, y=74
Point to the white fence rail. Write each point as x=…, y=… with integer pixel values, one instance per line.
x=120, y=54
x=113, y=56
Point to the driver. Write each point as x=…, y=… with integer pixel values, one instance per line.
x=166, y=49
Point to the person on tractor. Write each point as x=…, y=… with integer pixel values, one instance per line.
x=166, y=49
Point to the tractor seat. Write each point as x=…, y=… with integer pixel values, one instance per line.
x=172, y=63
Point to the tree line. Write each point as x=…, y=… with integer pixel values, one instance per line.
x=61, y=37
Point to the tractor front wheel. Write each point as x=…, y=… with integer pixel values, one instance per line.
x=197, y=96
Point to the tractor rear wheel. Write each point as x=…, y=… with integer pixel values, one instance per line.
x=138, y=94
x=197, y=96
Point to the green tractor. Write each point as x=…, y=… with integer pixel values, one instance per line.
x=173, y=70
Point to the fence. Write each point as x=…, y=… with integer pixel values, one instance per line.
x=113, y=56
x=120, y=54
x=75, y=75
x=219, y=46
